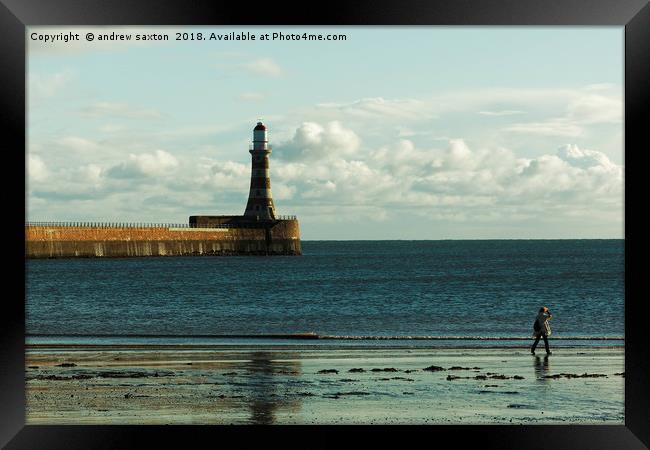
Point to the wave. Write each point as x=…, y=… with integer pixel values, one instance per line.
x=333, y=337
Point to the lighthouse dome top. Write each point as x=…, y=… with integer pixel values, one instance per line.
x=260, y=127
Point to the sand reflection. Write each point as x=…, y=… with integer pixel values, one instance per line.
x=542, y=367
x=267, y=387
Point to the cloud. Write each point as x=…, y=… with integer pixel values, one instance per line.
x=506, y=112
x=379, y=107
x=595, y=109
x=264, y=66
x=119, y=110
x=581, y=111
x=36, y=168
x=586, y=159
x=329, y=165
x=159, y=163
x=40, y=86
x=78, y=144
x=312, y=141
x=458, y=183
x=380, y=160
x=556, y=127
x=229, y=175
x=455, y=183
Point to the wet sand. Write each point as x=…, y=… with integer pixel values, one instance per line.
x=296, y=384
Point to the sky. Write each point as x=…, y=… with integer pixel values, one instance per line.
x=391, y=133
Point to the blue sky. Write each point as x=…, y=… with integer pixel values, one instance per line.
x=394, y=133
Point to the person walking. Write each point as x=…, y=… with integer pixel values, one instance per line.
x=542, y=329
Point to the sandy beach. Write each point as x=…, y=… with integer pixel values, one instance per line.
x=302, y=384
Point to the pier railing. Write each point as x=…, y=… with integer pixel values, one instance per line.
x=146, y=224
x=110, y=224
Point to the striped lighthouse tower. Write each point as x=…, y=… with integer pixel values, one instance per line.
x=260, y=201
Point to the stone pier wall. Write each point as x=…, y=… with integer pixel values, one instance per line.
x=283, y=238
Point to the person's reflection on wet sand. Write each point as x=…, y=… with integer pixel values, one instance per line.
x=264, y=375
x=541, y=367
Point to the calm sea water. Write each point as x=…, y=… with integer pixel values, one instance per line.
x=382, y=288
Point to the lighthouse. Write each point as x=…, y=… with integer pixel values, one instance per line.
x=260, y=201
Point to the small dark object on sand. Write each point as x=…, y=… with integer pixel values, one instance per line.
x=351, y=393
x=328, y=371
x=356, y=370
x=434, y=368
x=515, y=405
x=128, y=395
x=122, y=374
x=81, y=376
x=573, y=375
x=499, y=392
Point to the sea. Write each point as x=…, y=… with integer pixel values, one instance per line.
x=449, y=292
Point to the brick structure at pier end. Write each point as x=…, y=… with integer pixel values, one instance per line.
x=260, y=231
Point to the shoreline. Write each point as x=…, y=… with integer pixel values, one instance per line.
x=297, y=384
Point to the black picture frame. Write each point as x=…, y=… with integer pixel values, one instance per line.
x=15, y=15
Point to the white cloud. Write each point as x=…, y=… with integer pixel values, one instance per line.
x=379, y=107
x=264, y=66
x=119, y=110
x=586, y=159
x=312, y=141
x=282, y=191
x=146, y=164
x=36, y=168
x=226, y=176
x=595, y=109
x=506, y=112
x=46, y=85
x=556, y=127
x=456, y=181
x=78, y=144
x=583, y=108
x=381, y=160
x=459, y=156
